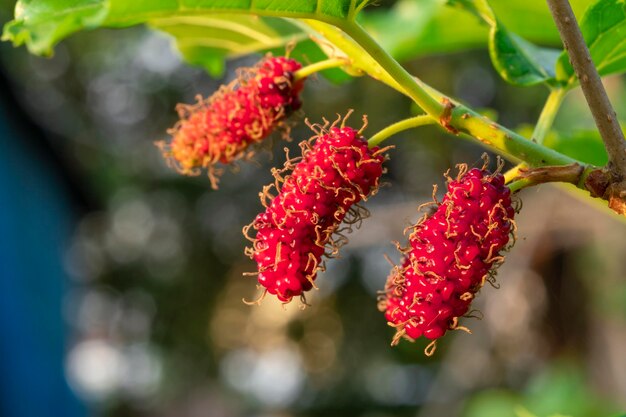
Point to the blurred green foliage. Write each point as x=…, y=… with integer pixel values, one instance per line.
x=157, y=262
x=560, y=390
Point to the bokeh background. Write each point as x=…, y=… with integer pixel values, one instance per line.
x=121, y=281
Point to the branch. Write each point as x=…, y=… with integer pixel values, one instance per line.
x=595, y=94
x=372, y=59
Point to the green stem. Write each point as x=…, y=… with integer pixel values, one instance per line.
x=396, y=71
x=369, y=57
x=544, y=124
x=518, y=185
x=461, y=119
x=546, y=118
x=455, y=117
x=360, y=59
x=320, y=66
x=405, y=124
x=514, y=172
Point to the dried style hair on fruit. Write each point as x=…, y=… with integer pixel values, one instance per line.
x=316, y=193
x=451, y=253
x=221, y=128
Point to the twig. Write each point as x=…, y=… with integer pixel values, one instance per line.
x=562, y=173
x=397, y=127
x=595, y=94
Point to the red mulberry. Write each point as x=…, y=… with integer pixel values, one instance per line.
x=336, y=171
x=451, y=254
x=244, y=112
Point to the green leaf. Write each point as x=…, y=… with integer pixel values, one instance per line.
x=531, y=19
x=208, y=40
x=421, y=27
x=480, y=8
x=40, y=24
x=604, y=28
x=408, y=18
x=518, y=61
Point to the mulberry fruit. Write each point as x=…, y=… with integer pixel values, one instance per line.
x=451, y=254
x=337, y=170
x=221, y=128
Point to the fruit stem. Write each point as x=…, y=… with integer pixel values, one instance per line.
x=573, y=174
x=514, y=172
x=516, y=186
x=544, y=123
x=393, y=68
x=319, y=66
x=548, y=113
x=398, y=127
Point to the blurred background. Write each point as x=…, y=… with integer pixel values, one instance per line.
x=121, y=281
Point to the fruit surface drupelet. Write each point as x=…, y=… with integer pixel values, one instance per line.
x=451, y=254
x=221, y=128
x=337, y=170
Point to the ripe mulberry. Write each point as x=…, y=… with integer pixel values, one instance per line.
x=223, y=126
x=337, y=170
x=451, y=254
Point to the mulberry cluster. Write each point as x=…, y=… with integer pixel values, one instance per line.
x=244, y=112
x=337, y=170
x=451, y=254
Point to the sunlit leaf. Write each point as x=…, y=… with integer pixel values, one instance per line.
x=40, y=24
x=519, y=61
x=208, y=40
